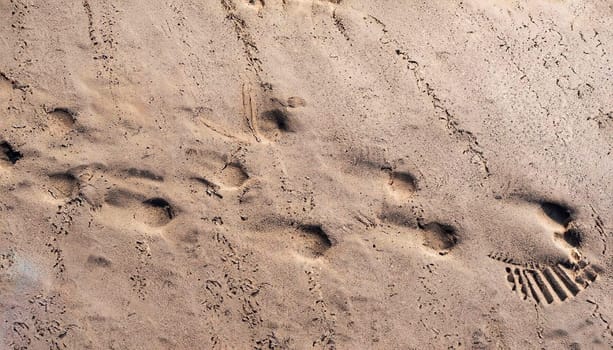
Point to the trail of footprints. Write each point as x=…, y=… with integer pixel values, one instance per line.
x=543, y=283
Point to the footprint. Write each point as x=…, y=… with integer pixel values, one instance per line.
x=122, y=198
x=556, y=212
x=273, y=123
x=233, y=175
x=548, y=283
x=211, y=188
x=154, y=212
x=548, y=267
x=65, y=185
x=61, y=120
x=402, y=184
x=216, y=170
x=315, y=241
x=438, y=237
x=308, y=240
x=564, y=217
x=398, y=217
x=8, y=153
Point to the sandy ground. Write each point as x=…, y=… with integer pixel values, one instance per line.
x=295, y=174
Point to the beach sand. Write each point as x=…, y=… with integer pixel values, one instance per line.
x=293, y=174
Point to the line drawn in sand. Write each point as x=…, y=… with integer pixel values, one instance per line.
x=250, y=110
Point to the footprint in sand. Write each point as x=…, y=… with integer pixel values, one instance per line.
x=278, y=119
x=61, y=120
x=548, y=267
x=274, y=123
x=402, y=184
x=63, y=185
x=308, y=240
x=154, y=212
x=436, y=237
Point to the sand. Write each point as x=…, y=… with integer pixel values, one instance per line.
x=294, y=174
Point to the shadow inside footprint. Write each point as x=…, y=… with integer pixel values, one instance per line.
x=403, y=183
x=64, y=116
x=556, y=212
x=439, y=237
x=65, y=184
x=275, y=122
x=233, y=175
x=143, y=174
x=573, y=238
x=156, y=212
x=9, y=153
x=317, y=240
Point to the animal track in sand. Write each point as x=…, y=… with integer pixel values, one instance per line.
x=268, y=116
x=549, y=270
x=295, y=102
x=394, y=177
x=211, y=188
x=8, y=153
x=122, y=198
x=216, y=170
